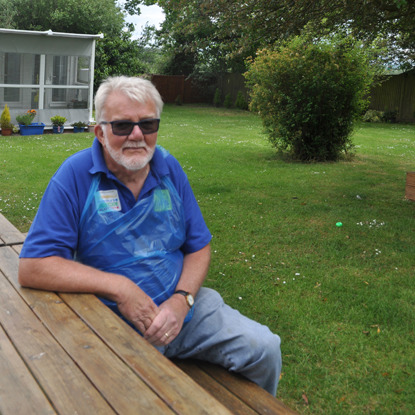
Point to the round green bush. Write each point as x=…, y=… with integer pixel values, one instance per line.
x=309, y=95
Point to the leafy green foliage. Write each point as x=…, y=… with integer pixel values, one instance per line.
x=73, y=16
x=26, y=118
x=58, y=120
x=117, y=55
x=309, y=94
x=226, y=30
x=227, y=103
x=373, y=116
x=5, y=119
x=217, y=98
x=7, y=14
x=240, y=101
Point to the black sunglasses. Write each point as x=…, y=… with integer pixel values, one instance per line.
x=121, y=127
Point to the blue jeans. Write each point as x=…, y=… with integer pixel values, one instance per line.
x=219, y=334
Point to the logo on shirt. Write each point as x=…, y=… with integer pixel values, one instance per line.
x=162, y=200
x=107, y=201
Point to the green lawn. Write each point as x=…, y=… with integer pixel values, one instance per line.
x=341, y=298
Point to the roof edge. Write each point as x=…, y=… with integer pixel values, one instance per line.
x=51, y=33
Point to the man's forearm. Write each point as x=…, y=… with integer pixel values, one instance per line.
x=195, y=269
x=63, y=275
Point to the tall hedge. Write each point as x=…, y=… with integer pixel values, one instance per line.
x=309, y=94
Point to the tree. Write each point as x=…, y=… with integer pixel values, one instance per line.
x=7, y=14
x=118, y=55
x=240, y=28
x=73, y=16
x=308, y=95
x=191, y=40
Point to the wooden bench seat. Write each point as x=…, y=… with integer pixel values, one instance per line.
x=68, y=353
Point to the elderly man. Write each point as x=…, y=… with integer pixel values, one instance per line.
x=120, y=220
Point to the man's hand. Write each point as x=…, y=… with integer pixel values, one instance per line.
x=136, y=306
x=168, y=322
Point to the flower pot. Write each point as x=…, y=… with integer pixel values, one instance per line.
x=58, y=129
x=6, y=131
x=32, y=129
x=78, y=129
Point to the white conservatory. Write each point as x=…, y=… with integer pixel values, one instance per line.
x=50, y=72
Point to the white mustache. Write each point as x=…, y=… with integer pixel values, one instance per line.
x=134, y=144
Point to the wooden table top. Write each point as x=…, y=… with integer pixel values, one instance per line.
x=69, y=354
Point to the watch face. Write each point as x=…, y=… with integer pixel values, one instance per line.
x=190, y=300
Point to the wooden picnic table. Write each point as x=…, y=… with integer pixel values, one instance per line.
x=69, y=354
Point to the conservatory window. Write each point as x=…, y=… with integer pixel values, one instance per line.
x=12, y=76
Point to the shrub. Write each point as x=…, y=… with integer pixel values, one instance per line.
x=309, y=95
x=79, y=124
x=27, y=118
x=178, y=101
x=58, y=120
x=227, y=103
x=5, y=120
x=241, y=101
x=390, y=116
x=217, y=99
x=373, y=116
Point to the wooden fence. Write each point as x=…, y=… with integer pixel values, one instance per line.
x=395, y=93
x=174, y=87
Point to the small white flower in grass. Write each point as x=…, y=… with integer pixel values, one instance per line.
x=239, y=298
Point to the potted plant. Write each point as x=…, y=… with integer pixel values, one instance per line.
x=58, y=124
x=79, y=126
x=5, y=122
x=26, y=124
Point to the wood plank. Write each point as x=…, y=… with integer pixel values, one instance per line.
x=58, y=375
x=254, y=396
x=234, y=404
x=410, y=178
x=116, y=382
x=410, y=186
x=8, y=233
x=233, y=391
x=19, y=392
x=173, y=386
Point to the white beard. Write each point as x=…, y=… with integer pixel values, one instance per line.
x=133, y=163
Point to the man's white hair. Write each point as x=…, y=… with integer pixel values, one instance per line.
x=135, y=88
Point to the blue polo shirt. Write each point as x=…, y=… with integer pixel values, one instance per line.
x=55, y=229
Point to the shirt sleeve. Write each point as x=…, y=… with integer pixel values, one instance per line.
x=54, y=231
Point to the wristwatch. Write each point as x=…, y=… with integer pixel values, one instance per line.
x=189, y=297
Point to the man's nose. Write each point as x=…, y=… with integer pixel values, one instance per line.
x=136, y=133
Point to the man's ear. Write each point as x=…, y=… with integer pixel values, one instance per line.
x=99, y=133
